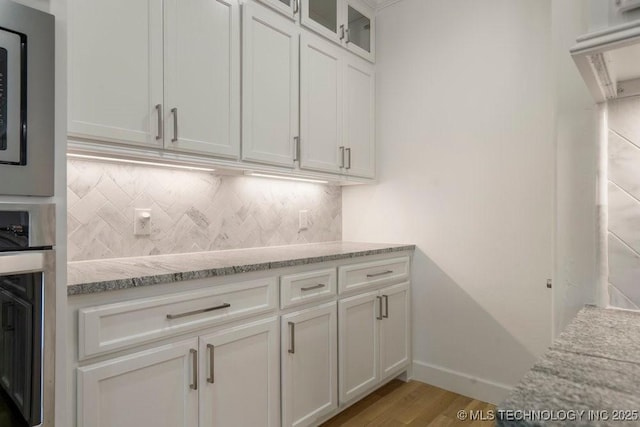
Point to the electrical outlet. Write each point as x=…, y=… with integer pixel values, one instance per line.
x=303, y=220
x=142, y=222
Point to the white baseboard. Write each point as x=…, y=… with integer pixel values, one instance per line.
x=461, y=383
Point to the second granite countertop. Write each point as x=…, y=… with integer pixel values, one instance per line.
x=87, y=277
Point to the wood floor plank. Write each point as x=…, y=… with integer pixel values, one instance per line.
x=399, y=404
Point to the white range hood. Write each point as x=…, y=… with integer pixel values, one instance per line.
x=609, y=61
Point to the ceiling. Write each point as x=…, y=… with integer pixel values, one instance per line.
x=626, y=61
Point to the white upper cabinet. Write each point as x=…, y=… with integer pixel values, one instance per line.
x=202, y=76
x=349, y=23
x=337, y=109
x=321, y=106
x=120, y=63
x=115, y=70
x=270, y=86
x=288, y=8
x=359, y=29
x=359, y=121
x=323, y=17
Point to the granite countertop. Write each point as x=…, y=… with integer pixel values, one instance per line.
x=87, y=277
x=593, y=366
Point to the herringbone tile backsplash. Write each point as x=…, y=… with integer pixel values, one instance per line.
x=190, y=211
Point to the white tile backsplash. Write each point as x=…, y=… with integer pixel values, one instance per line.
x=624, y=202
x=191, y=211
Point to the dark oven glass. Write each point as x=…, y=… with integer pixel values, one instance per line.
x=21, y=343
x=13, y=93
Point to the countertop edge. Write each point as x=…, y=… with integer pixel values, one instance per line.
x=150, y=280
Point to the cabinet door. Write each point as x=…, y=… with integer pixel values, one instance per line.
x=359, y=122
x=270, y=86
x=240, y=376
x=151, y=388
x=286, y=7
x=358, y=346
x=323, y=17
x=202, y=76
x=394, y=329
x=309, y=365
x=115, y=70
x=320, y=104
x=360, y=33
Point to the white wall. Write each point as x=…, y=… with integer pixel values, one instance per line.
x=576, y=127
x=466, y=101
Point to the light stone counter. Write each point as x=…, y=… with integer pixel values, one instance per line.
x=86, y=277
x=594, y=365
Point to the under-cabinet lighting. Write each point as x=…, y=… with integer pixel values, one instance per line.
x=288, y=178
x=138, y=162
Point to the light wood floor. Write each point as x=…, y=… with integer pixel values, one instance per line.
x=411, y=404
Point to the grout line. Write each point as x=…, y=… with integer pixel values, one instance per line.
x=624, y=191
x=636, y=253
x=624, y=138
x=629, y=301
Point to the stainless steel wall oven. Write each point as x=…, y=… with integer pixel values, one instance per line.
x=26, y=272
x=26, y=100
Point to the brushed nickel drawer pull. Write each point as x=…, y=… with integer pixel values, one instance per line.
x=310, y=288
x=192, y=313
x=379, y=274
x=194, y=384
x=292, y=332
x=379, y=316
x=211, y=378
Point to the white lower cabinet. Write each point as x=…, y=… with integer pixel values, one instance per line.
x=240, y=377
x=374, y=339
x=309, y=365
x=225, y=379
x=157, y=387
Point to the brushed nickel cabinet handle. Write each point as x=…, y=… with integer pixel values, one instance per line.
x=348, y=150
x=292, y=337
x=342, y=32
x=211, y=349
x=194, y=359
x=341, y=157
x=174, y=111
x=380, y=274
x=347, y=36
x=296, y=6
x=194, y=312
x=296, y=148
x=159, y=111
x=310, y=288
x=386, y=306
x=379, y=316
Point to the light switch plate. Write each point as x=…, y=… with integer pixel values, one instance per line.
x=142, y=222
x=303, y=220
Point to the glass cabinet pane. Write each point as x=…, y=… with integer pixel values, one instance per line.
x=325, y=13
x=359, y=29
x=287, y=2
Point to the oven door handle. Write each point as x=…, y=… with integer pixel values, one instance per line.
x=7, y=321
x=21, y=263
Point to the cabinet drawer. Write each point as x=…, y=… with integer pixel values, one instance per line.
x=355, y=277
x=301, y=288
x=111, y=327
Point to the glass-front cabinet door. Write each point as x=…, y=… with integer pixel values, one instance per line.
x=360, y=30
x=287, y=7
x=323, y=17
